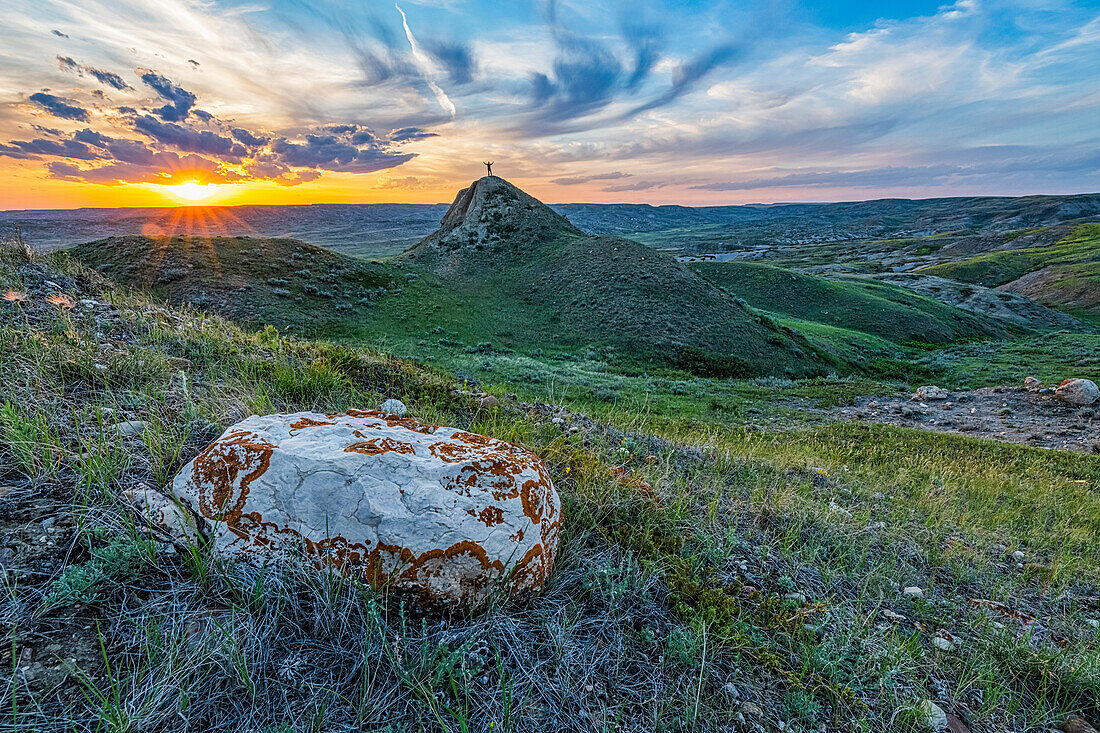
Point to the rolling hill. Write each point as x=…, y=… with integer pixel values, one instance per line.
x=878, y=308
x=503, y=270
x=1065, y=274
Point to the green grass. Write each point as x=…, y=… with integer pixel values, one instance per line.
x=694, y=507
x=880, y=309
x=1070, y=268
x=1050, y=358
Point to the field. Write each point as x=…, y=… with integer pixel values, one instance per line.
x=711, y=568
x=737, y=554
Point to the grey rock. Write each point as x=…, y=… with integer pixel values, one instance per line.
x=1079, y=392
x=394, y=407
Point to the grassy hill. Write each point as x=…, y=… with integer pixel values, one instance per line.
x=523, y=258
x=503, y=271
x=1065, y=274
x=277, y=281
x=881, y=309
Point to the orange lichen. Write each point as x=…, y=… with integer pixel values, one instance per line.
x=215, y=472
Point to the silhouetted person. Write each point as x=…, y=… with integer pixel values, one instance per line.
x=489, y=166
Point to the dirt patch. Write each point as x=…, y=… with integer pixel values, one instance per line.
x=1012, y=414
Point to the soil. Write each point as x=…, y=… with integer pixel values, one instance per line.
x=37, y=540
x=1012, y=414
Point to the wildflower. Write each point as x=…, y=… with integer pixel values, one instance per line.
x=61, y=301
x=13, y=296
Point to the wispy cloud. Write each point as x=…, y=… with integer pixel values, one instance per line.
x=425, y=63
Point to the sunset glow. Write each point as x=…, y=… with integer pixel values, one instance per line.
x=192, y=191
x=125, y=103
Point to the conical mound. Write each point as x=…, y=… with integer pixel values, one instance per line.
x=488, y=219
x=531, y=276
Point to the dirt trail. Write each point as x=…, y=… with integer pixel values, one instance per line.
x=1012, y=414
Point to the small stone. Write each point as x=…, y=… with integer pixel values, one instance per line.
x=931, y=392
x=1019, y=556
x=912, y=591
x=933, y=715
x=1033, y=384
x=1079, y=392
x=889, y=615
x=1077, y=724
x=394, y=407
x=752, y=710
x=128, y=428
x=489, y=401
x=796, y=597
x=943, y=644
x=1093, y=623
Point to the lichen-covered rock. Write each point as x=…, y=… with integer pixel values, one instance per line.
x=1079, y=392
x=435, y=512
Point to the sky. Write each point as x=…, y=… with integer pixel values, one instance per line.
x=165, y=102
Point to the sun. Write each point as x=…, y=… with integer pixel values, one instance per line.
x=193, y=191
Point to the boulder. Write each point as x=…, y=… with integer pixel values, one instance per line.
x=1078, y=392
x=436, y=513
x=931, y=392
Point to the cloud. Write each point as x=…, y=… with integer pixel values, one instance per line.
x=164, y=168
x=424, y=62
x=577, y=180
x=68, y=64
x=108, y=78
x=409, y=134
x=188, y=140
x=335, y=153
x=280, y=174
x=636, y=186
x=66, y=109
x=888, y=176
x=67, y=148
x=180, y=101
x=688, y=74
x=250, y=139
x=455, y=57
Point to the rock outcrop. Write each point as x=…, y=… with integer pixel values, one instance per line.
x=932, y=392
x=438, y=513
x=1079, y=392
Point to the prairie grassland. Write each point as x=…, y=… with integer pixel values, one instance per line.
x=712, y=576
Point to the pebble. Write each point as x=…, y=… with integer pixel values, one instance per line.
x=752, y=710
x=912, y=591
x=129, y=427
x=1018, y=556
x=943, y=644
x=489, y=401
